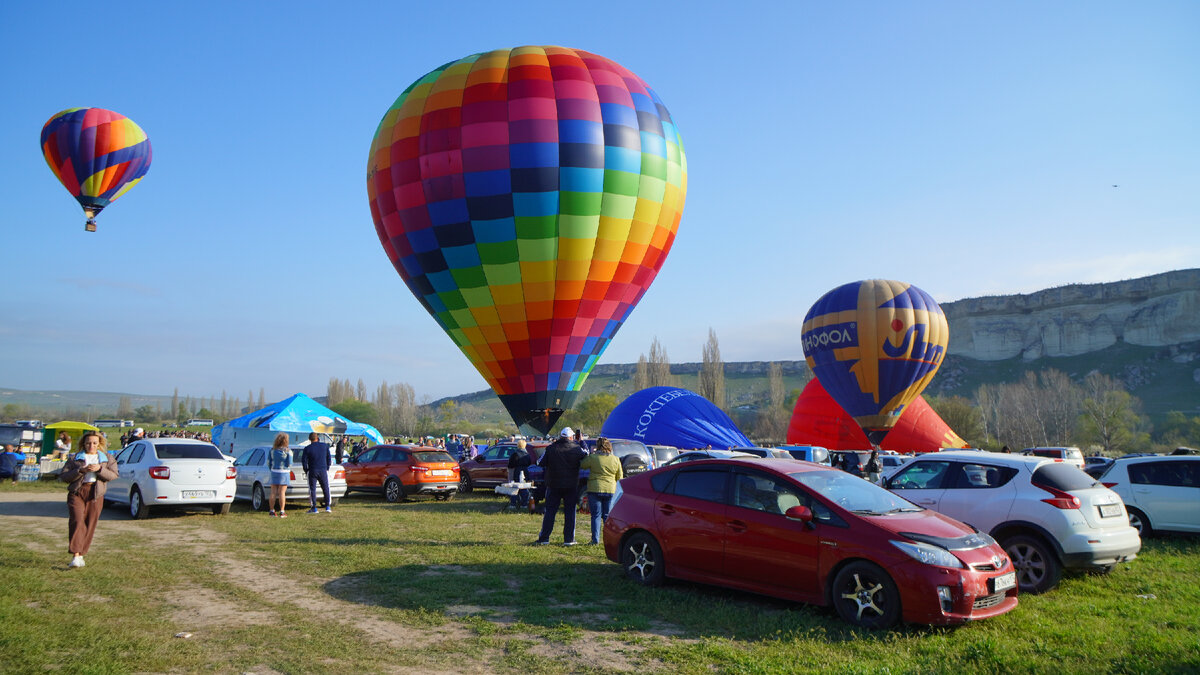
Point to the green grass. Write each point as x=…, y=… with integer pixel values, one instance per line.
x=459, y=582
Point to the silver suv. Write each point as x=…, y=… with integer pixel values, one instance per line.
x=1048, y=515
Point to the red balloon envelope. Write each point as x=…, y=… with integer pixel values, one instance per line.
x=818, y=420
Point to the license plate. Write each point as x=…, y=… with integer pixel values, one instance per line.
x=1110, y=510
x=1004, y=582
x=440, y=472
x=198, y=494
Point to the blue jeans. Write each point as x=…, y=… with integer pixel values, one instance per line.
x=599, y=504
x=568, y=497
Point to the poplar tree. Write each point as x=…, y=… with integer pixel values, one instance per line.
x=712, y=372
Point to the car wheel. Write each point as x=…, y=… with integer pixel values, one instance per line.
x=258, y=498
x=464, y=483
x=1139, y=522
x=391, y=491
x=643, y=560
x=1037, y=569
x=865, y=596
x=138, y=509
x=221, y=509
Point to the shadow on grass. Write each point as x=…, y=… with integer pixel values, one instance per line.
x=594, y=595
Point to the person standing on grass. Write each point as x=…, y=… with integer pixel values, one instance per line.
x=561, y=464
x=279, y=462
x=341, y=448
x=874, y=466
x=604, y=470
x=316, y=467
x=88, y=474
x=518, y=463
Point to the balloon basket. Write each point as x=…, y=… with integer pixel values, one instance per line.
x=89, y=226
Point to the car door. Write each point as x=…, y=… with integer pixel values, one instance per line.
x=978, y=494
x=763, y=549
x=1168, y=492
x=921, y=482
x=253, y=471
x=495, y=463
x=357, y=469
x=118, y=489
x=691, y=521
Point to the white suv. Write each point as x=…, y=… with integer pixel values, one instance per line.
x=1160, y=492
x=1070, y=455
x=1045, y=513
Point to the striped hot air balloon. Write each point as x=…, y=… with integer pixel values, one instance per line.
x=97, y=154
x=528, y=197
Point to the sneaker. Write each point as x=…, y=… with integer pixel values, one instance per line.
x=328, y=509
x=312, y=510
x=539, y=542
x=271, y=513
x=568, y=543
x=77, y=561
x=282, y=514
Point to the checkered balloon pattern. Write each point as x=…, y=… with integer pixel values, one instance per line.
x=528, y=197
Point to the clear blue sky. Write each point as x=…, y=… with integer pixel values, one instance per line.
x=968, y=148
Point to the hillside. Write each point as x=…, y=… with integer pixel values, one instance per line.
x=1144, y=332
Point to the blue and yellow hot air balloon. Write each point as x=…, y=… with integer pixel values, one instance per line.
x=874, y=345
x=528, y=197
x=97, y=154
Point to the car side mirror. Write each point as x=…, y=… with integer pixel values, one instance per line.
x=801, y=513
x=478, y=458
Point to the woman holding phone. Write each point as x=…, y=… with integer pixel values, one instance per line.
x=279, y=461
x=88, y=473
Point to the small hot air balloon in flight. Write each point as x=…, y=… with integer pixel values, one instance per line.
x=874, y=345
x=97, y=154
x=528, y=197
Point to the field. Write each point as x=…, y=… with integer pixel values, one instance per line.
x=449, y=587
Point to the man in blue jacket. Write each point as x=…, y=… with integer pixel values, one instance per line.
x=10, y=463
x=316, y=467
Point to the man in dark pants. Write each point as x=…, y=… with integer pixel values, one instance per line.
x=316, y=467
x=561, y=464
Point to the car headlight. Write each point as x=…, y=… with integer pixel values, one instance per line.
x=928, y=554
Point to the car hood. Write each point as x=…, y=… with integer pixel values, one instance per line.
x=926, y=524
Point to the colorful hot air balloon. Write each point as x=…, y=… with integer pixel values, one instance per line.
x=528, y=197
x=97, y=154
x=874, y=345
x=818, y=420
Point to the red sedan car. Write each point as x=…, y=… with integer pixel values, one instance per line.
x=807, y=533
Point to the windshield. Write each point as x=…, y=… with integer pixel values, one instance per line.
x=853, y=493
x=187, y=451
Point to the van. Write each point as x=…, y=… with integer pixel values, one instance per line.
x=1070, y=455
x=809, y=453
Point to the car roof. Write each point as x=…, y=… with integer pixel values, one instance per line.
x=778, y=465
x=1031, y=461
x=174, y=441
x=1155, y=458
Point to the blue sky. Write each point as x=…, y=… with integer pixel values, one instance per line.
x=968, y=148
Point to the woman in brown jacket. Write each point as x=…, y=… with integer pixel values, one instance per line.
x=87, y=472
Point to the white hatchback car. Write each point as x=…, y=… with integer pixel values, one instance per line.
x=1047, y=514
x=1160, y=492
x=172, y=472
x=254, y=479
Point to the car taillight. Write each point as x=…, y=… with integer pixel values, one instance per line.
x=419, y=469
x=340, y=474
x=230, y=472
x=291, y=475
x=455, y=468
x=1061, y=500
x=1109, y=485
x=160, y=472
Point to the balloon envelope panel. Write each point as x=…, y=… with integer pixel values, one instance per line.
x=875, y=345
x=528, y=197
x=97, y=154
x=818, y=420
x=673, y=416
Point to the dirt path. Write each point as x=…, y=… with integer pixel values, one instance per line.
x=41, y=519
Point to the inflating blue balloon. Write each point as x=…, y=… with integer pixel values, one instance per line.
x=673, y=416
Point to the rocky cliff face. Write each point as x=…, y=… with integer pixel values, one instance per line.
x=1154, y=311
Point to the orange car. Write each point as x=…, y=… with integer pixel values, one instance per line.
x=401, y=471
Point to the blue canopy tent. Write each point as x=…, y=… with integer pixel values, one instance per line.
x=298, y=414
x=673, y=416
